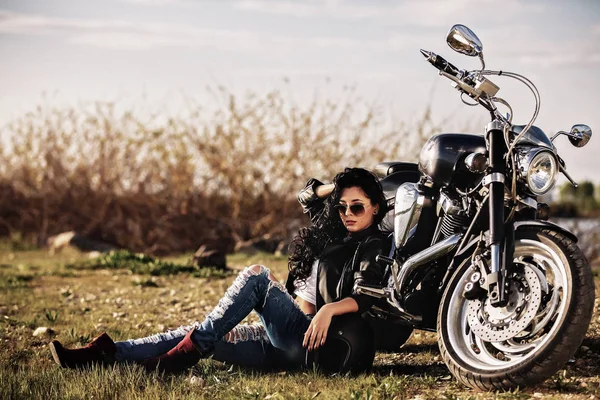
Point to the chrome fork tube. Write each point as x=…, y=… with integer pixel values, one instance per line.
x=495, y=258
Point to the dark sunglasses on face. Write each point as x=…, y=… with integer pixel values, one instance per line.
x=356, y=209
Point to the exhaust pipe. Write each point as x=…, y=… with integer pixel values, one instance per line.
x=429, y=254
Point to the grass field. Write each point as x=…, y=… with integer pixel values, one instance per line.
x=39, y=290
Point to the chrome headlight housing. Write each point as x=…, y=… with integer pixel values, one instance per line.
x=537, y=168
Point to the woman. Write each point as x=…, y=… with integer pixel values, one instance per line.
x=342, y=241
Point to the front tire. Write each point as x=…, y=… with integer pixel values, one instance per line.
x=526, y=342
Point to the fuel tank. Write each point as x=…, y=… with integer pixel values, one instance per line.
x=442, y=158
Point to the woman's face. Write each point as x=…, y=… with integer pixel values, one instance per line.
x=356, y=210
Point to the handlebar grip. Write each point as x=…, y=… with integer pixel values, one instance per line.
x=440, y=63
x=384, y=260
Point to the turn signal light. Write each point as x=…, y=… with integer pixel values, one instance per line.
x=476, y=162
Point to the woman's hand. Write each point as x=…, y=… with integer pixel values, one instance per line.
x=316, y=334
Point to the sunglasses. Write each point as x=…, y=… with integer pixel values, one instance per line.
x=356, y=209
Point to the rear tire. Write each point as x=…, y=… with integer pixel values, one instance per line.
x=478, y=354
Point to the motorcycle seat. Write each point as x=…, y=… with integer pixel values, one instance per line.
x=389, y=167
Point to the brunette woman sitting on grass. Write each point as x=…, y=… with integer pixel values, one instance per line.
x=326, y=258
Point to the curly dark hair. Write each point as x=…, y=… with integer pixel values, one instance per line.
x=310, y=241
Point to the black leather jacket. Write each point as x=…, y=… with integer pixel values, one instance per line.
x=344, y=262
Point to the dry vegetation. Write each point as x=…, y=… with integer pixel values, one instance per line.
x=161, y=185
x=78, y=304
x=166, y=185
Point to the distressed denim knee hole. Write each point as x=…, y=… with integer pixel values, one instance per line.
x=256, y=271
x=253, y=332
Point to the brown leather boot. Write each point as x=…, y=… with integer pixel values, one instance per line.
x=181, y=357
x=101, y=350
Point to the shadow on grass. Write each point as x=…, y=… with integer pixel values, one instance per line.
x=434, y=371
x=587, y=359
x=420, y=348
x=585, y=363
x=413, y=359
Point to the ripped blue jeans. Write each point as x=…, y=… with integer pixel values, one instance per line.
x=274, y=343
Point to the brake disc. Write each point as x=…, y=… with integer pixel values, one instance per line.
x=497, y=324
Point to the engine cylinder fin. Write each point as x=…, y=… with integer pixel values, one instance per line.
x=452, y=224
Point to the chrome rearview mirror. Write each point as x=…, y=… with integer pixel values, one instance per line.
x=463, y=40
x=580, y=135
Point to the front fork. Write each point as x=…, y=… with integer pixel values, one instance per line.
x=501, y=243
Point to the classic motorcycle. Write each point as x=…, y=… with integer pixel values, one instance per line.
x=474, y=258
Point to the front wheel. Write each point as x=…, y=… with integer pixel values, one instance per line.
x=551, y=299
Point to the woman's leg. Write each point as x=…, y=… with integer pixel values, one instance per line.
x=284, y=322
x=247, y=346
x=151, y=346
x=252, y=290
x=275, y=342
x=244, y=345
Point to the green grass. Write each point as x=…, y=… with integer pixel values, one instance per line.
x=146, y=264
x=128, y=300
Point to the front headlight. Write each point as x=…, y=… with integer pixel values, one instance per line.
x=538, y=168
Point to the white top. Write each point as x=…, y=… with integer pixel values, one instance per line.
x=308, y=290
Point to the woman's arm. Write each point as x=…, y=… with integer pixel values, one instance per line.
x=312, y=196
x=369, y=271
x=316, y=334
x=324, y=190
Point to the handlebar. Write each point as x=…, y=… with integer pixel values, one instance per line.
x=463, y=81
x=440, y=63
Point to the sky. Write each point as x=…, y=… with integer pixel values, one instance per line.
x=153, y=51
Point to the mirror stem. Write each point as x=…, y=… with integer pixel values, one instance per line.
x=557, y=134
x=564, y=171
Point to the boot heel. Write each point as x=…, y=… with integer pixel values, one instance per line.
x=53, y=349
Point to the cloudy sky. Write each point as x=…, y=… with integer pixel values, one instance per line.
x=155, y=50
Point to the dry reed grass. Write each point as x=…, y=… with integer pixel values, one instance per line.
x=163, y=184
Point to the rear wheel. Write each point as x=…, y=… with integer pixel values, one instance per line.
x=551, y=299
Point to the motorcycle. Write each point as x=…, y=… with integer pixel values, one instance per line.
x=474, y=257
